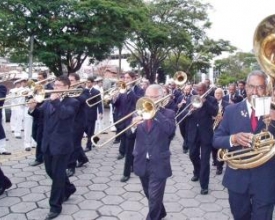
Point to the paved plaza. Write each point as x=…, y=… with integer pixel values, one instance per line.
x=100, y=194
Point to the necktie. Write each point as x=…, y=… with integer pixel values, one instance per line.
x=149, y=124
x=254, y=120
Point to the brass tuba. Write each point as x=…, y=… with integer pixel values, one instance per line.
x=263, y=144
x=180, y=78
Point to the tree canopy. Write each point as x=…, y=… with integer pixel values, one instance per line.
x=67, y=32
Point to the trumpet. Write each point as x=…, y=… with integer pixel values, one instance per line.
x=145, y=107
x=121, y=87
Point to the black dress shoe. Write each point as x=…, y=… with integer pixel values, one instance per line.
x=185, y=151
x=81, y=163
x=204, y=191
x=70, y=172
x=194, y=178
x=124, y=179
x=119, y=157
x=35, y=163
x=27, y=149
x=6, y=186
x=66, y=197
x=5, y=153
x=52, y=215
x=219, y=172
x=87, y=149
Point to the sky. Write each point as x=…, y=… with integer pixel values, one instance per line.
x=236, y=20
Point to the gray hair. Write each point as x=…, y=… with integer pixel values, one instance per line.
x=156, y=87
x=257, y=73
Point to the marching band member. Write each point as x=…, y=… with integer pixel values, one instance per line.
x=200, y=133
x=241, y=89
x=219, y=93
x=91, y=112
x=99, y=87
x=28, y=119
x=232, y=96
x=3, y=151
x=251, y=191
x=181, y=103
x=16, y=120
x=152, y=154
x=57, y=144
x=125, y=103
x=79, y=127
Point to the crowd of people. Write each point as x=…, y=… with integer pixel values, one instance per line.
x=203, y=113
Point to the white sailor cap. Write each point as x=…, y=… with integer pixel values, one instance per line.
x=20, y=80
x=98, y=79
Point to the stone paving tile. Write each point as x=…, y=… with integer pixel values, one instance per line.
x=101, y=196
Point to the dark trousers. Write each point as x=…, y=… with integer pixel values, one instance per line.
x=4, y=181
x=78, y=154
x=183, y=132
x=55, y=166
x=219, y=164
x=154, y=190
x=122, y=145
x=90, y=130
x=129, y=158
x=200, y=157
x=37, y=135
x=248, y=207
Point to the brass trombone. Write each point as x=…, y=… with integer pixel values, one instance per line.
x=196, y=102
x=40, y=95
x=145, y=107
x=121, y=87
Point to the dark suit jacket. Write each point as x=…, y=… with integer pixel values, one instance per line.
x=58, y=125
x=156, y=143
x=200, y=122
x=236, y=119
x=236, y=98
x=125, y=104
x=3, y=92
x=91, y=112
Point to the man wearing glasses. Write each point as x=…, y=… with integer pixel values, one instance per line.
x=251, y=191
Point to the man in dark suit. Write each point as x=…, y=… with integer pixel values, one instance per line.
x=3, y=151
x=219, y=93
x=152, y=154
x=5, y=182
x=232, y=96
x=200, y=133
x=57, y=145
x=181, y=104
x=251, y=191
x=37, y=130
x=91, y=112
x=241, y=89
x=125, y=103
x=79, y=127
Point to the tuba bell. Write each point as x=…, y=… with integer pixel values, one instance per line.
x=180, y=78
x=263, y=144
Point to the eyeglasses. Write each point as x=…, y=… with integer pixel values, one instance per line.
x=258, y=88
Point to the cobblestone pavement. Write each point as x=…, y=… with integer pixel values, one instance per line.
x=100, y=194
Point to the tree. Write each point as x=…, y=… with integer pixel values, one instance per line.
x=235, y=67
x=175, y=30
x=67, y=32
